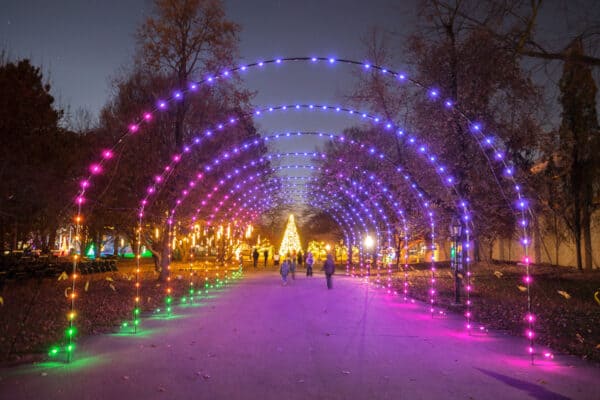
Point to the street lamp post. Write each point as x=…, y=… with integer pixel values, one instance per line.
x=456, y=229
x=369, y=242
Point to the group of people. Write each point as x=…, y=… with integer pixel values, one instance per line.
x=255, y=256
x=292, y=260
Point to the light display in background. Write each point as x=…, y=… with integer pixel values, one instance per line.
x=291, y=239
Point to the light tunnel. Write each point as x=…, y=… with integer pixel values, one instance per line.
x=491, y=147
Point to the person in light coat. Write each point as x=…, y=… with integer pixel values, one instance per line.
x=309, y=263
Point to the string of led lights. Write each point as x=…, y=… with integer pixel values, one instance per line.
x=433, y=93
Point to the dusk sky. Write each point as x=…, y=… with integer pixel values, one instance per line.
x=81, y=44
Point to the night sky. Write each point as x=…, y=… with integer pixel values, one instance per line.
x=82, y=43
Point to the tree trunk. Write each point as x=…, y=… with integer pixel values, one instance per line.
x=164, y=257
x=2, y=237
x=586, y=221
x=15, y=234
x=97, y=244
x=556, y=240
x=83, y=239
x=577, y=235
x=587, y=240
x=116, y=244
x=537, y=242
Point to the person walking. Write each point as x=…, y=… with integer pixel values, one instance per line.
x=300, y=258
x=329, y=268
x=266, y=254
x=255, y=256
x=293, y=265
x=285, y=268
x=276, y=259
x=309, y=263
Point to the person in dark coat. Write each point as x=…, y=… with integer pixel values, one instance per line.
x=293, y=260
x=255, y=256
x=329, y=268
x=284, y=270
x=300, y=258
x=266, y=254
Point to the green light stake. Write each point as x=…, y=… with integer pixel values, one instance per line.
x=136, y=300
x=53, y=351
x=191, y=278
x=168, y=301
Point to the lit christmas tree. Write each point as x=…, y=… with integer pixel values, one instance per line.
x=291, y=239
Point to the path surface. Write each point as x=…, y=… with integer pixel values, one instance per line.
x=260, y=340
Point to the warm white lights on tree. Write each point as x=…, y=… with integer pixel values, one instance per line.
x=291, y=239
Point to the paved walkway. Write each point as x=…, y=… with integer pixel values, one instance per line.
x=260, y=340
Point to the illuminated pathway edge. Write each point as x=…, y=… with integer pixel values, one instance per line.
x=259, y=340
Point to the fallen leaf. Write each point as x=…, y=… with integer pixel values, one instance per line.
x=564, y=294
x=87, y=285
x=346, y=372
x=598, y=346
x=44, y=374
x=206, y=376
x=112, y=287
x=522, y=288
x=580, y=338
x=63, y=276
x=597, y=297
x=301, y=381
x=160, y=389
x=108, y=278
x=1, y=300
x=498, y=274
x=125, y=378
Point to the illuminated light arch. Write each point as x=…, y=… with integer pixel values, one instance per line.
x=434, y=94
x=388, y=193
x=445, y=177
x=353, y=242
x=356, y=218
x=263, y=172
x=269, y=186
x=227, y=156
x=256, y=201
x=352, y=216
x=336, y=210
x=236, y=150
x=389, y=126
